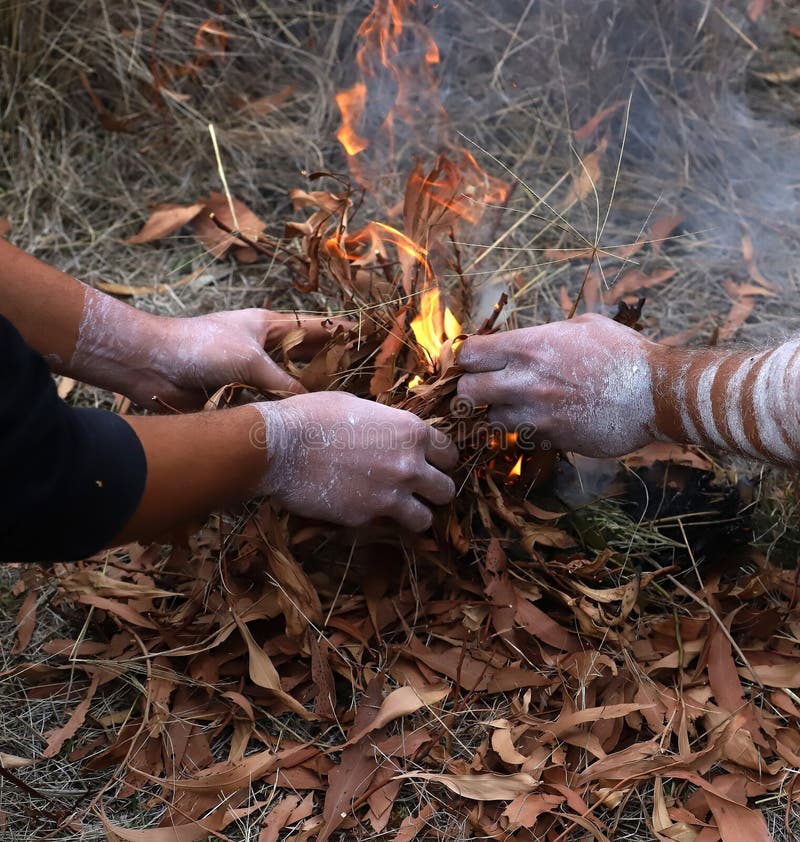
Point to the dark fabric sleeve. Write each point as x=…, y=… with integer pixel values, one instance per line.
x=71, y=478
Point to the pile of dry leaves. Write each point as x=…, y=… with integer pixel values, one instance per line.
x=338, y=667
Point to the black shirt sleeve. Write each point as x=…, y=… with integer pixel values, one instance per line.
x=71, y=478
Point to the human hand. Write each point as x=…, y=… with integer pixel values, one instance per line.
x=338, y=458
x=183, y=361
x=198, y=355
x=584, y=385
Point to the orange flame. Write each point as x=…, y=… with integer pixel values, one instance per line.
x=516, y=471
x=384, y=32
x=397, y=52
x=434, y=325
x=351, y=104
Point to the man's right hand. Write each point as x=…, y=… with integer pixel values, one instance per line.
x=338, y=458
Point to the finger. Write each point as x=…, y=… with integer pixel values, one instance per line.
x=317, y=331
x=490, y=388
x=483, y=353
x=434, y=486
x=412, y=514
x=440, y=450
x=267, y=376
x=528, y=429
x=505, y=415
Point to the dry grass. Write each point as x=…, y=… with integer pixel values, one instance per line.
x=706, y=138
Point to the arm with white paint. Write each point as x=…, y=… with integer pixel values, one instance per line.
x=598, y=388
x=154, y=360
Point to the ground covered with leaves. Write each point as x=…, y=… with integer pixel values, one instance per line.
x=577, y=649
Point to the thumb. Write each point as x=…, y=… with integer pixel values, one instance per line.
x=267, y=376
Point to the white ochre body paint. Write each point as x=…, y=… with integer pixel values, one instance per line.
x=744, y=403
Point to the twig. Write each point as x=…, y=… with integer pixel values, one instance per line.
x=488, y=325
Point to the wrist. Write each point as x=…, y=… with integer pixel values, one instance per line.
x=276, y=447
x=113, y=340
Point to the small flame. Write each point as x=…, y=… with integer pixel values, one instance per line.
x=516, y=471
x=351, y=105
x=434, y=325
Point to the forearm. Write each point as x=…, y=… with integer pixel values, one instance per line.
x=745, y=403
x=196, y=464
x=80, y=331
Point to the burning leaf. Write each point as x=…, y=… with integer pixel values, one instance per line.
x=485, y=787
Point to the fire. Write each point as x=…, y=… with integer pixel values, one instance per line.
x=516, y=471
x=397, y=59
x=434, y=325
x=396, y=54
x=351, y=105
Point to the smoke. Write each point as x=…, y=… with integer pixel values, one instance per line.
x=705, y=136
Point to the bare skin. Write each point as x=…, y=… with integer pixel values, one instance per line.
x=199, y=463
x=100, y=340
x=598, y=388
x=328, y=456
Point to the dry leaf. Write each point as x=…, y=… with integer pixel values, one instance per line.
x=57, y=738
x=481, y=787
x=402, y=702
x=193, y=832
x=165, y=220
x=263, y=673
x=755, y=8
x=277, y=818
x=590, y=126
x=588, y=174
x=216, y=241
x=11, y=761
x=353, y=775
x=411, y=826
x=26, y=622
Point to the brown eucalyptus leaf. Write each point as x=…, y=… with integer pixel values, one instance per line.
x=165, y=220
x=481, y=787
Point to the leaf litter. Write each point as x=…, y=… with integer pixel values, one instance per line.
x=609, y=678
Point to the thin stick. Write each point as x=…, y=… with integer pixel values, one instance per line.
x=488, y=325
x=221, y=171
